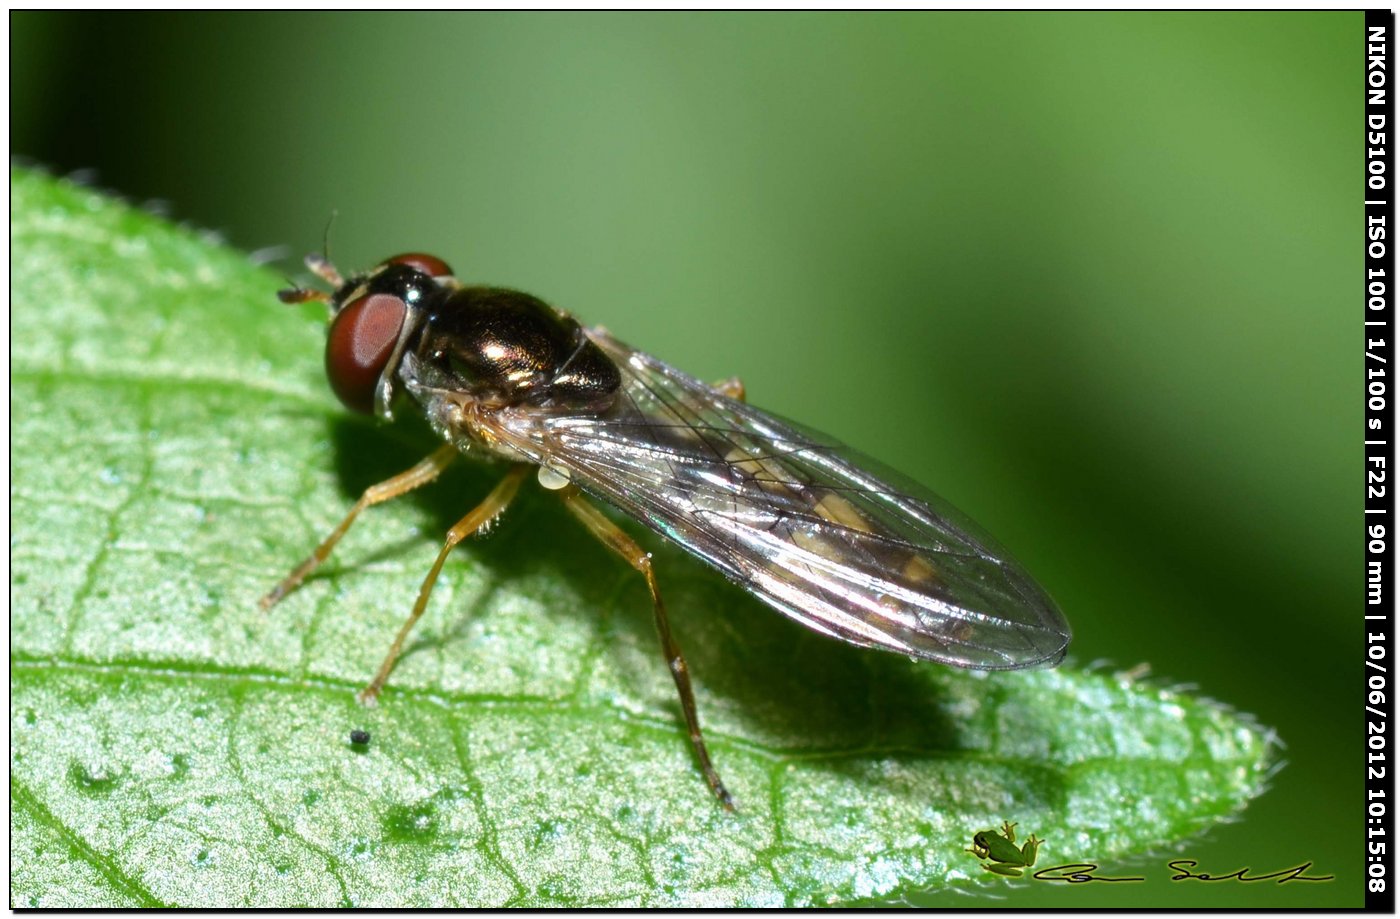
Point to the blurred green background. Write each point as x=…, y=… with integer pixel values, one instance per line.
x=1093, y=277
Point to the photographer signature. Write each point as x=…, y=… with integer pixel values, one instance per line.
x=999, y=854
x=1083, y=873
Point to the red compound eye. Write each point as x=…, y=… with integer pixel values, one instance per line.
x=430, y=265
x=361, y=339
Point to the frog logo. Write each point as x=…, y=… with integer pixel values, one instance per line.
x=1000, y=852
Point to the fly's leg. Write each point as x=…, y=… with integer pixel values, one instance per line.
x=733, y=387
x=615, y=539
x=421, y=474
x=477, y=519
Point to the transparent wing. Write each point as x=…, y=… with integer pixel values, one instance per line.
x=819, y=532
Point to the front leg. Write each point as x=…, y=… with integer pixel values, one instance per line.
x=421, y=474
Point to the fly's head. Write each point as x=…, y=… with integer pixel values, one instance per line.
x=374, y=318
x=407, y=323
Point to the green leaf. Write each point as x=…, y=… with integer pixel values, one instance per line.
x=175, y=451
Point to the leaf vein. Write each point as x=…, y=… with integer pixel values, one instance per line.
x=118, y=878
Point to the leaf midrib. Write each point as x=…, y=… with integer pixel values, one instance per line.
x=241, y=678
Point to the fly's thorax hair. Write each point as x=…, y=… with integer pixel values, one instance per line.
x=454, y=415
x=508, y=348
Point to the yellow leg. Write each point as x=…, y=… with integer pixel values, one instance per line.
x=476, y=520
x=733, y=387
x=421, y=474
x=615, y=539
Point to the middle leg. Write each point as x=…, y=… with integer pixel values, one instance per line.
x=476, y=520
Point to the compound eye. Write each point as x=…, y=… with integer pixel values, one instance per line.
x=430, y=265
x=362, y=338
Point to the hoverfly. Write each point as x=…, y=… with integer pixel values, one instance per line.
x=812, y=528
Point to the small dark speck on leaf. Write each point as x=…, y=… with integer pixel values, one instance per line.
x=359, y=738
